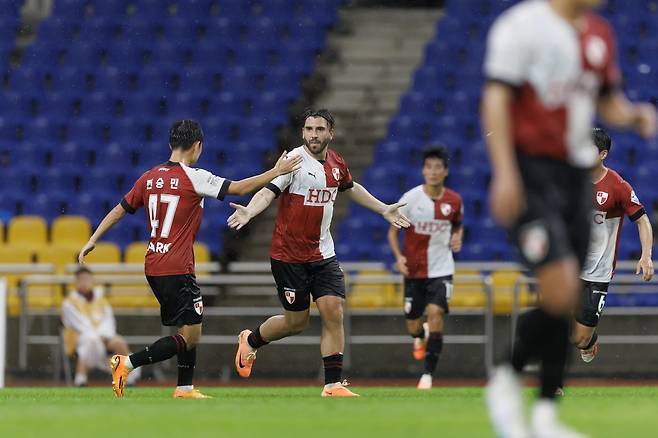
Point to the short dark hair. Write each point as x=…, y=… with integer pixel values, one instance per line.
x=601, y=139
x=82, y=270
x=184, y=133
x=437, y=151
x=324, y=113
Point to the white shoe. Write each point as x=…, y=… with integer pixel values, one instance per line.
x=425, y=382
x=505, y=403
x=546, y=425
x=588, y=355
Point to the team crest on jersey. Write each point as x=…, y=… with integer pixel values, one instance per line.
x=290, y=296
x=596, y=51
x=198, y=307
x=601, y=197
x=336, y=173
x=446, y=209
x=634, y=198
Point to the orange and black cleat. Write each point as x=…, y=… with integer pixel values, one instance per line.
x=245, y=356
x=338, y=389
x=194, y=393
x=119, y=374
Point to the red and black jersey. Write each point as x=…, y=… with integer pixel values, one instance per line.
x=173, y=196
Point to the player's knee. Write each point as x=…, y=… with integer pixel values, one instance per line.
x=414, y=326
x=295, y=327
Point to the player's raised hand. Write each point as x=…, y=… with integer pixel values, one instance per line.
x=646, y=124
x=401, y=264
x=240, y=216
x=645, y=265
x=89, y=247
x=506, y=197
x=287, y=164
x=394, y=217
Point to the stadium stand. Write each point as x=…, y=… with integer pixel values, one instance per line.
x=87, y=109
x=441, y=106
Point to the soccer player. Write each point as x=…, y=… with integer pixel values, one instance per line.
x=613, y=198
x=550, y=65
x=436, y=231
x=173, y=195
x=302, y=255
x=90, y=329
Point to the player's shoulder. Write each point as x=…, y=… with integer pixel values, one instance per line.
x=522, y=15
x=335, y=156
x=615, y=178
x=452, y=195
x=597, y=24
x=414, y=192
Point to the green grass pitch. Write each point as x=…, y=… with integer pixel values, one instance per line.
x=299, y=411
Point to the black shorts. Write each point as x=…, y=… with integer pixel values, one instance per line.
x=419, y=292
x=297, y=282
x=179, y=297
x=556, y=223
x=592, y=302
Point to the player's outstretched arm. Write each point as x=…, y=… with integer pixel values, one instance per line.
x=616, y=110
x=243, y=215
x=506, y=190
x=645, y=264
x=391, y=213
x=284, y=165
x=108, y=222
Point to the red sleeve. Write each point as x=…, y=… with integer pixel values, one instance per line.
x=458, y=217
x=134, y=199
x=346, y=181
x=611, y=71
x=629, y=202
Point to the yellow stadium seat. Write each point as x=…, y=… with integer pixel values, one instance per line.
x=105, y=252
x=27, y=229
x=14, y=254
x=503, y=284
x=59, y=255
x=374, y=294
x=201, y=253
x=467, y=293
x=135, y=252
x=70, y=230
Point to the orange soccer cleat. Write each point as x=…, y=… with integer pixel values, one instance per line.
x=194, y=393
x=420, y=345
x=338, y=390
x=119, y=374
x=245, y=356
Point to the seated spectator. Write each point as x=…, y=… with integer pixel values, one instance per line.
x=90, y=328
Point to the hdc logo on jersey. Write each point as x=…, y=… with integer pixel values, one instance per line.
x=601, y=197
x=431, y=227
x=320, y=197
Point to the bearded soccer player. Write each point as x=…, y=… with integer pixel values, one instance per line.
x=550, y=66
x=613, y=198
x=172, y=194
x=302, y=255
x=436, y=215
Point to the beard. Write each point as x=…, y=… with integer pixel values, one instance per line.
x=315, y=147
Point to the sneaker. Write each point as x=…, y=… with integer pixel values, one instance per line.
x=194, y=393
x=245, y=356
x=420, y=345
x=546, y=425
x=588, y=355
x=338, y=389
x=425, y=382
x=559, y=392
x=505, y=403
x=119, y=374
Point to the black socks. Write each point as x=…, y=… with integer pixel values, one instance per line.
x=255, y=340
x=333, y=368
x=162, y=349
x=434, y=347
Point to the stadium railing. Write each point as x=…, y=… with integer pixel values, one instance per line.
x=231, y=279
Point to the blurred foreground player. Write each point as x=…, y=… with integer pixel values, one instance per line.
x=173, y=194
x=302, y=256
x=90, y=331
x=550, y=65
x=436, y=231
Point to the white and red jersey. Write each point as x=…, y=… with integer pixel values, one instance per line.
x=613, y=198
x=427, y=240
x=559, y=71
x=173, y=194
x=306, y=206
